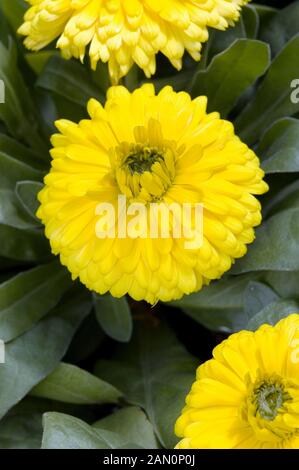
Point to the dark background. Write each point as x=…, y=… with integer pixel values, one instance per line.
x=274, y=3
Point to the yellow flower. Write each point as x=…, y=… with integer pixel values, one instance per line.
x=247, y=396
x=152, y=149
x=122, y=32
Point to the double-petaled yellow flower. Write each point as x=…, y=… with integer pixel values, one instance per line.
x=247, y=396
x=122, y=32
x=157, y=149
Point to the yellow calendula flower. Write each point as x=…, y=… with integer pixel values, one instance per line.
x=247, y=396
x=152, y=150
x=122, y=32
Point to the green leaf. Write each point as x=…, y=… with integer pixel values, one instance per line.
x=276, y=246
x=285, y=283
x=27, y=192
x=38, y=60
x=265, y=12
x=179, y=81
x=62, y=431
x=12, y=213
x=281, y=27
x=219, y=41
x=279, y=147
x=132, y=80
x=219, y=306
x=154, y=372
x=114, y=316
x=231, y=73
x=19, y=113
x=22, y=427
x=21, y=431
x=66, y=109
x=17, y=151
x=251, y=21
x=272, y=313
x=256, y=297
x=273, y=98
x=29, y=296
x=132, y=423
x=286, y=198
x=13, y=170
x=34, y=355
x=227, y=305
x=5, y=30
x=86, y=341
x=69, y=79
x=29, y=245
x=14, y=11
x=70, y=384
x=101, y=77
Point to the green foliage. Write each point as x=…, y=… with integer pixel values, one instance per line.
x=34, y=355
x=70, y=384
x=95, y=372
x=21, y=431
x=19, y=113
x=114, y=316
x=146, y=371
x=132, y=422
x=69, y=80
x=279, y=147
x=272, y=313
x=276, y=245
x=35, y=292
x=230, y=73
x=62, y=431
x=272, y=99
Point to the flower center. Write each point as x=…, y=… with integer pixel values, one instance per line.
x=145, y=169
x=269, y=398
x=268, y=408
x=142, y=159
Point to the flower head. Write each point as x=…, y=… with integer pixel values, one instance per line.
x=150, y=149
x=122, y=32
x=247, y=396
